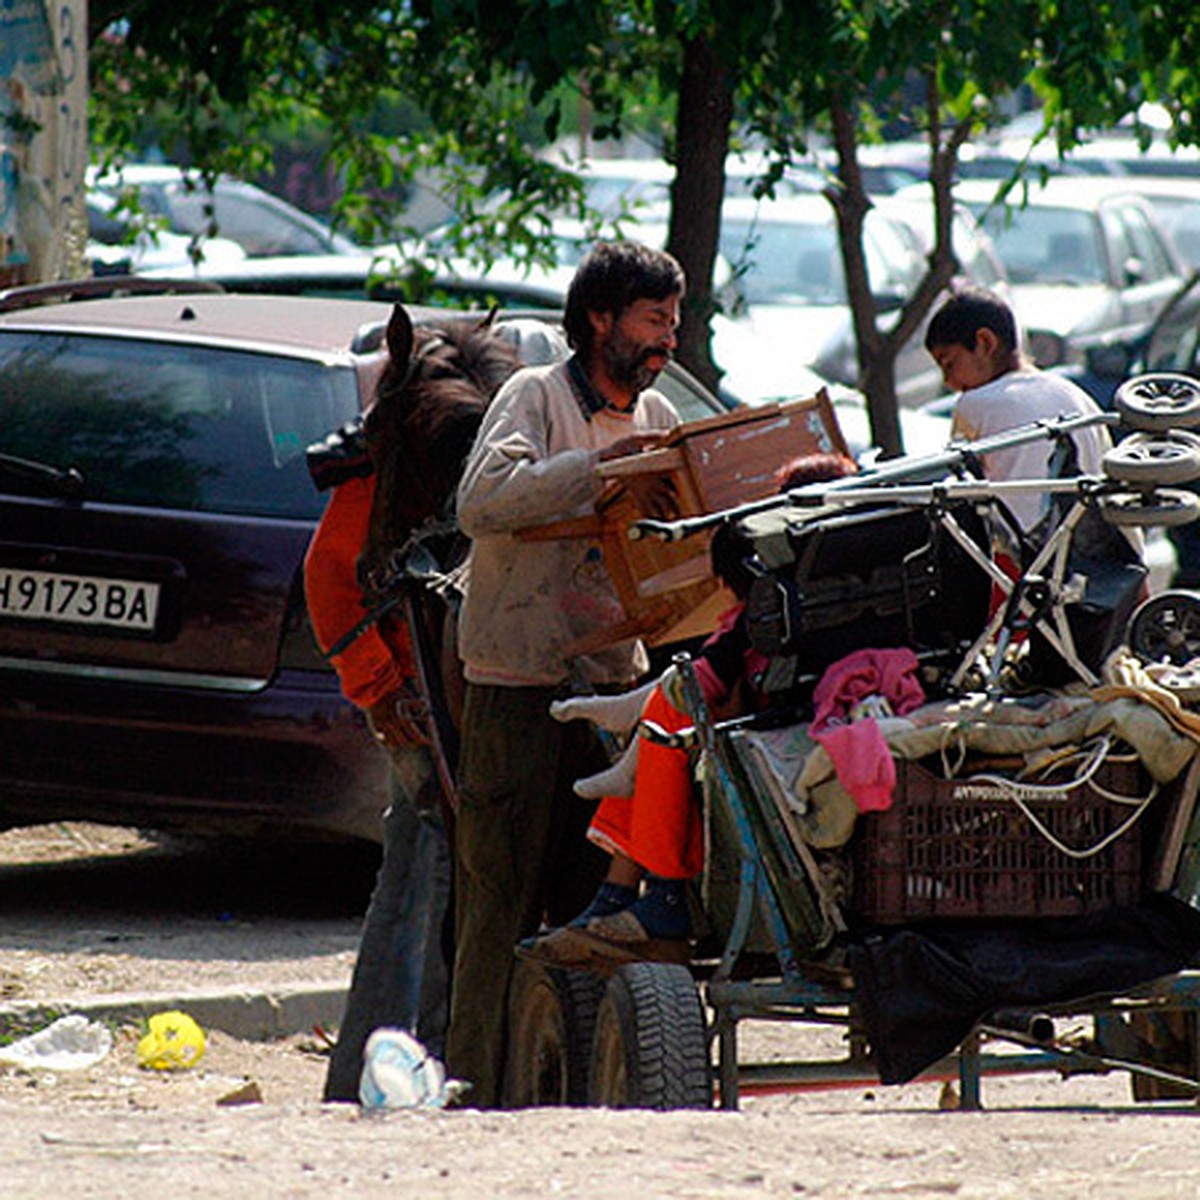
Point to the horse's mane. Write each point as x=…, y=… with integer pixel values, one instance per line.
x=428, y=405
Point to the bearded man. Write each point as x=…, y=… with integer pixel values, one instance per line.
x=521, y=854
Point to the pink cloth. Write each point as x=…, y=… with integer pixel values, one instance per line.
x=857, y=750
x=863, y=763
x=891, y=674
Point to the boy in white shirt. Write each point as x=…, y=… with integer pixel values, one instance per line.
x=973, y=339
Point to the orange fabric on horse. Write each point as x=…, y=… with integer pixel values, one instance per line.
x=379, y=661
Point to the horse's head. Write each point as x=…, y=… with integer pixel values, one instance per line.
x=427, y=408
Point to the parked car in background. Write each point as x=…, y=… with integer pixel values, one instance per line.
x=120, y=242
x=156, y=663
x=1176, y=202
x=370, y=277
x=978, y=261
x=616, y=185
x=1086, y=258
x=258, y=221
x=1171, y=344
x=788, y=267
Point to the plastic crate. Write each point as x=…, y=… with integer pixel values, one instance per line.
x=964, y=848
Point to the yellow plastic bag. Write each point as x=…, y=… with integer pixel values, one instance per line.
x=173, y=1042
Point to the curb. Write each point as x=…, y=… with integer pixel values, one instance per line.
x=255, y=1016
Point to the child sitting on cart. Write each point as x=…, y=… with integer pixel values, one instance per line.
x=653, y=831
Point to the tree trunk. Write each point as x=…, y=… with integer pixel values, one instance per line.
x=878, y=351
x=702, y=142
x=876, y=356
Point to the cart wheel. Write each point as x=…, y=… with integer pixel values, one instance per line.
x=650, y=1049
x=1144, y=459
x=1166, y=627
x=552, y=1015
x=1159, y=507
x=1156, y=403
x=1170, y=1040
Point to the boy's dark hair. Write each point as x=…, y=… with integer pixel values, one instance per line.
x=610, y=278
x=814, y=468
x=968, y=311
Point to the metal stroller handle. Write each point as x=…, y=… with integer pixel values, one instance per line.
x=960, y=456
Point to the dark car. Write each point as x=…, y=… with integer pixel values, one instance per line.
x=1170, y=343
x=156, y=662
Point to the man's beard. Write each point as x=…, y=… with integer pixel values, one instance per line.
x=628, y=363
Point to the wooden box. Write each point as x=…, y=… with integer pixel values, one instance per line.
x=667, y=589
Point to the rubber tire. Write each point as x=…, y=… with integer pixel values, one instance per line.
x=1161, y=507
x=1145, y=459
x=552, y=1015
x=650, y=1049
x=1157, y=403
x=1166, y=626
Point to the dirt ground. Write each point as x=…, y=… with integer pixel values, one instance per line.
x=116, y=1129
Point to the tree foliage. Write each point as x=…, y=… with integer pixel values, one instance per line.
x=489, y=80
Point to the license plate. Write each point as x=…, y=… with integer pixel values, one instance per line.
x=78, y=599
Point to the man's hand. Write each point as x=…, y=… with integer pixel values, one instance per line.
x=398, y=721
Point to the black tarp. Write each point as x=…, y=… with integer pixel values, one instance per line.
x=920, y=991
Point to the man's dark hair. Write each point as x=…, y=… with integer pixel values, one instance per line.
x=610, y=278
x=968, y=311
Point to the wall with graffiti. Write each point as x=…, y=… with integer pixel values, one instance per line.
x=43, y=139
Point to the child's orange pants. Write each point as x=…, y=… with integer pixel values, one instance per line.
x=659, y=826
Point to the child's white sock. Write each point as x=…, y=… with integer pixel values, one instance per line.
x=616, y=780
x=617, y=714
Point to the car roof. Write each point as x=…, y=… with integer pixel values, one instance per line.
x=332, y=274
x=287, y=324
x=805, y=207
x=165, y=174
x=1082, y=192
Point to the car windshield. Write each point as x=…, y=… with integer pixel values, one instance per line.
x=163, y=426
x=1045, y=245
x=784, y=263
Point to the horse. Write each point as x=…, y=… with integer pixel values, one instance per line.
x=428, y=405
x=419, y=428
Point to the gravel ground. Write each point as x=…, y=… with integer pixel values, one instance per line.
x=116, y=1129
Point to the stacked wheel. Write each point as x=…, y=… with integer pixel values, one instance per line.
x=1162, y=453
x=650, y=1048
x=1166, y=629
x=1157, y=403
x=1154, y=459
